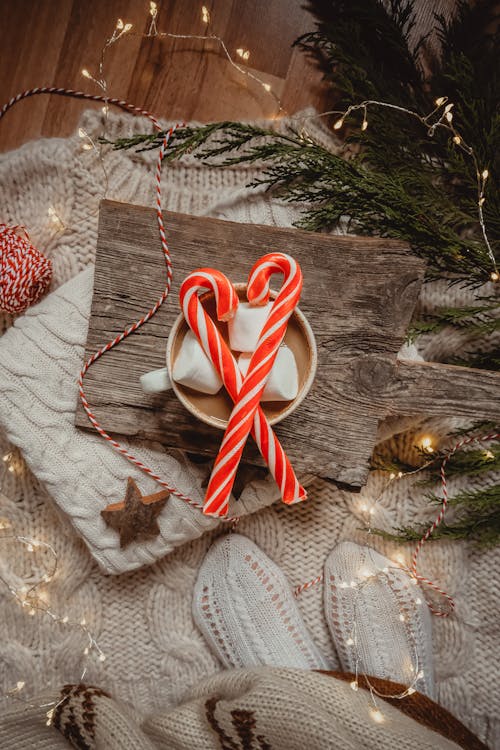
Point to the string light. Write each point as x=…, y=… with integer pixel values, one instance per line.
x=205, y=15
x=34, y=600
x=440, y=118
x=243, y=53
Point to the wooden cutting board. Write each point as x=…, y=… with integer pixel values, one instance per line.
x=359, y=295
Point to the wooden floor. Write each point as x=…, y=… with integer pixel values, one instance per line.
x=48, y=42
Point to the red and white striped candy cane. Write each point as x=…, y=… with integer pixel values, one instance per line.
x=216, y=349
x=242, y=417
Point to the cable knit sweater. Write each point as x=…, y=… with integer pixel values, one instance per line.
x=143, y=620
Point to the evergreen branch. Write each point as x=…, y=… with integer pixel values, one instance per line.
x=476, y=518
x=477, y=318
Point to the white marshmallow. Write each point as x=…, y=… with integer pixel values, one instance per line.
x=283, y=382
x=245, y=327
x=193, y=368
x=155, y=381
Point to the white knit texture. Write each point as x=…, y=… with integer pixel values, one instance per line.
x=245, y=608
x=381, y=622
x=143, y=620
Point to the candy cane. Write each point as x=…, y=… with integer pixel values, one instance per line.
x=216, y=349
x=242, y=416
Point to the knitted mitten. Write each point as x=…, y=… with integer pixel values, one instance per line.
x=245, y=608
x=383, y=622
x=91, y=720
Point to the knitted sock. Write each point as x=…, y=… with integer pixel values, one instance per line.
x=245, y=608
x=383, y=621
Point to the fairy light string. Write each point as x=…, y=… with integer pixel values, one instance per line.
x=441, y=116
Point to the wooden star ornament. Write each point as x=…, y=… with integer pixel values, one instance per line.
x=135, y=517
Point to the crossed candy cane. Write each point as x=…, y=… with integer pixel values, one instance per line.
x=249, y=395
x=216, y=349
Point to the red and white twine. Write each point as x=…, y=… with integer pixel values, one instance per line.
x=135, y=326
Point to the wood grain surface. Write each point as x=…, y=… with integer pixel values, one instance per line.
x=48, y=42
x=359, y=294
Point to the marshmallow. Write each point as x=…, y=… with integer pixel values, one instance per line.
x=246, y=326
x=193, y=368
x=283, y=381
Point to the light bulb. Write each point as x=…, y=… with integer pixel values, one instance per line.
x=338, y=124
x=349, y=642
x=119, y=24
x=440, y=100
x=485, y=174
x=85, y=73
x=354, y=685
x=205, y=15
x=364, y=124
x=494, y=276
x=410, y=691
x=266, y=86
x=243, y=53
x=457, y=140
x=377, y=715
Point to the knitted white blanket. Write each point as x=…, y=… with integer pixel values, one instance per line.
x=143, y=621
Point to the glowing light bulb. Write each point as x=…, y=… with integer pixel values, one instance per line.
x=410, y=691
x=11, y=469
x=85, y=73
x=494, y=276
x=5, y=523
x=489, y=455
x=20, y=684
x=127, y=27
x=30, y=547
x=449, y=107
x=6, y=457
x=205, y=15
x=377, y=715
x=344, y=585
x=402, y=618
x=420, y=675
x=86, y=650
x=337, y=125
x=86, y=146
x=392, y=475
x=457, y=140
x=153, y=10
x=350, y=642
x=31, y=611
x=485, y=174
x=354, y=685
x=266, y=86
x=82, y=133
x=119, y=24
x=102, y=657
x=449, y=116
x=65, y=619
x=243, y=53
x=426, y=444
x=49, y=716
x=400, y=474
x=364, y=124
x=440, y=100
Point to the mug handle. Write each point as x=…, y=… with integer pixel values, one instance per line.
x=156, y=381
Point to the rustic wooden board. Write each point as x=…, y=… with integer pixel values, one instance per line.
x=359, y=294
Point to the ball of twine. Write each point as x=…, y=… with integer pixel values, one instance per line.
x=25, y=273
